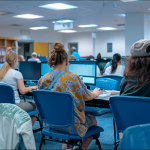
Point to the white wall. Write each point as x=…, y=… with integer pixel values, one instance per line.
x=85, y=42
x=37, y=36
x=84, y=39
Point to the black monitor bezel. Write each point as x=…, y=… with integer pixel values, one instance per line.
x=84, y=62
x=29, y=62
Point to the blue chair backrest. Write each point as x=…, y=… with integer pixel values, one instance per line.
x=115, y=77
x=6, y=94
x=43, y=59
x=82, y=58
x=136, y=137
x=129, y=111
x=105, y=83
x=56, y=108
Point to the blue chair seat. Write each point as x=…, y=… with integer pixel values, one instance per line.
x=31, y=113
x=66, y=136
x=96, y=111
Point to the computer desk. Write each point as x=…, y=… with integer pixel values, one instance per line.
x=100, y=102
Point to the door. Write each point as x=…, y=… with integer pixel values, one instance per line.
x=73, y=44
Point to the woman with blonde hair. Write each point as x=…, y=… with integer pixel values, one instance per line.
x=70, y=83
x=9, y=76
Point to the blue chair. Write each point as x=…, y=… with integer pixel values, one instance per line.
x=102, y=83
x=105, y=83
x=129, y=111
x=7, y=96
x=43, y=59
x=136, y=137
x=115, y=77
x=56, y=109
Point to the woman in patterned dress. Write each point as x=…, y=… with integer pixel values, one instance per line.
x=71, y=83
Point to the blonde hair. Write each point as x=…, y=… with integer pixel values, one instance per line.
x=10, y=57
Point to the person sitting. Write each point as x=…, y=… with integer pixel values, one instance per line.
x=116, y=68
x=136, y=79
x=70, y=83
x=9, y=76
x=90, y=57
x=21, y=58
x=98, y=71
x=72, y=57
x=34, y=57
x=75, y=53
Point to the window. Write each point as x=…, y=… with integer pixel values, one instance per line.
x=109, y=47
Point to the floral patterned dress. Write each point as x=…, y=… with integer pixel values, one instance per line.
x=70, y=83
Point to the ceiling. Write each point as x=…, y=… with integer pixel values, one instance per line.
x=99, y=12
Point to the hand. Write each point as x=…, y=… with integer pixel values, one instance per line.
x=34, y=87
x=97, y=91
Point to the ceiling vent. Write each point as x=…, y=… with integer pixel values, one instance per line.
x=15, y=25
x=5, y=13
x=120, y=25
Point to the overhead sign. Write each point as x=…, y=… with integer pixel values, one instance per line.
x=63, y=26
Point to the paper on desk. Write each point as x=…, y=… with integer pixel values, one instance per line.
x=104, y=95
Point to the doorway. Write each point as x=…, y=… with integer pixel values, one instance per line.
x=50, y=47
x=73, y=44
x=26, y=49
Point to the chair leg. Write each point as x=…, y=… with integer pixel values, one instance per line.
x=98, y=143
x=114, y=131
x=116, y=146
x=42, y=139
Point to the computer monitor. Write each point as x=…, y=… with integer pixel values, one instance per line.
x=45, y=68
x=102, y=62
x=85, y=69
x=1, y=64
x=31, y=71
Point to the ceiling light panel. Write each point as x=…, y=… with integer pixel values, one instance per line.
x=106, y=28
x=38, y=28
x=67, y=31
x=87, y=25
x=62, y=21
x=28, y=16
x=58, y=6
x=129, y=0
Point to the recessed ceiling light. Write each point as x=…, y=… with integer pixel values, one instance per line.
x=121, y=15
x=88, y=25
x=28, y=16
x=67, y=31
x=58, y=6
x=129, y=0
x=62, y=21
x=38, y=28
x=106, y=28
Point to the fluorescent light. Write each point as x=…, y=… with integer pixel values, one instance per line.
x=67, y=31
x=88, y=25
x=28, y=16
x=38, y=28
x=106, y=28
x=58, y=6
x=129, y=0
x=121, y=15
x=62, y=21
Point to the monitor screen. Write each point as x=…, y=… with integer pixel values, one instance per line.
x=1, y=64
x=30, y=70
x=45, y=68
x=85, y=69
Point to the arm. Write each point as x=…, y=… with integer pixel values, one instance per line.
x=23, y=90
x=95, y=93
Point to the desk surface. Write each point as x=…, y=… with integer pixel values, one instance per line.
x=106, y=98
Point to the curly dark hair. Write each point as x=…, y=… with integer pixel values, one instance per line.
x=138, y=67
x=116, y=58
x=58, y=55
